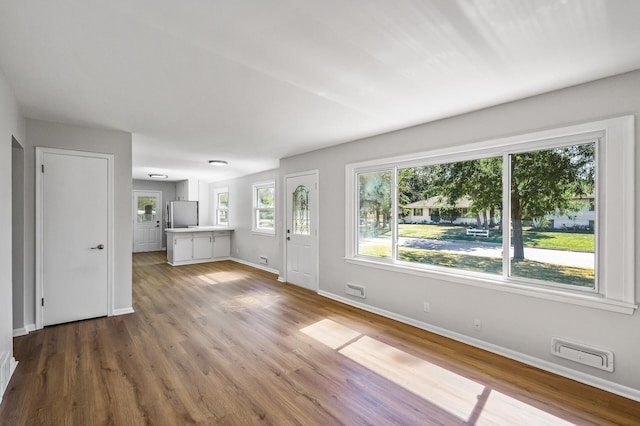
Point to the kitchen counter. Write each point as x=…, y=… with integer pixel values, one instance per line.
x=199, y=229
x=198, y=244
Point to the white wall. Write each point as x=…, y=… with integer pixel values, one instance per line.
x=11, y=125
x=63, y=136
x=516, y=324
x=247, y=246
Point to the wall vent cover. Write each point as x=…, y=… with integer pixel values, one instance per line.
x=355, y=290
x=584, y=354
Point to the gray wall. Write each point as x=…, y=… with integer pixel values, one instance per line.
x=168, y=190
x=63, y=136
x=245, y=245
x=513, y=322
x=17, y=220
x=11, y=125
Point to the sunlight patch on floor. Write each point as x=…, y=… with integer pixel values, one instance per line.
x=466, y=399
x=502, y=409
x=330, y=333
x=222, y=277
x=449, y=391
x=240, y=302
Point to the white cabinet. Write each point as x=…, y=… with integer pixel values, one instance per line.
x=188, y=190
x=182, y=190
x=197, y=246
x=202, y=246
x=221, y=244
x=182, y=248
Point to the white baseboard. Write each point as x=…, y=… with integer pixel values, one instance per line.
x=255, y=265
x=122, y=311
x=281, y=279
x=578, y=376
x=8, y=365
x=28, y=328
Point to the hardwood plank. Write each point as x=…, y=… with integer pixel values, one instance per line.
x=223, y=343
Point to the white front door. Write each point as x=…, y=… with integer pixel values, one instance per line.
x=302, y=230
x=147, y=221
x=74, y=236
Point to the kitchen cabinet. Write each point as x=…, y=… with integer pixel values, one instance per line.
x=221, y=244
x=202, y=246
x=197, y=245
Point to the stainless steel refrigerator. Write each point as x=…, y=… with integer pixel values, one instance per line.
x=182, y=214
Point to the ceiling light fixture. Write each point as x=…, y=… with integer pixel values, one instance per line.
x=157, y=176
x=218, y=163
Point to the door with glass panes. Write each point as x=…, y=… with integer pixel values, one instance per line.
x=302, y=230
x=147, y=221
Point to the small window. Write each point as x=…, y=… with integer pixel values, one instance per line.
x=264, y=207
x=417, y=212
x=221, y=199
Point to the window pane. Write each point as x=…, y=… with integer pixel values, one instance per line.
x=223, y=200
x=265, y=219
x=266, y=197
x=222, y=217
x=553, y=216
x=374, y=206
x=300, y=216
x=450, y=215
x=147, y=209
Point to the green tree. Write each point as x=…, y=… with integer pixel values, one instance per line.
x=375, y=198
x=542, y=182
x=478, y=180
x=548, y=182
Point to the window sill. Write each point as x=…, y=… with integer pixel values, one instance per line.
x=498, y=284
x=263, y=233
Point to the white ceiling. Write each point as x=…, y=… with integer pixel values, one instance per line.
x=252, y=81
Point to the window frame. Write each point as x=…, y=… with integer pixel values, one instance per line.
x=614, y=288
x=255, y=222
x=216, y=205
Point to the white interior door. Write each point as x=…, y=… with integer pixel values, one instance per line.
x=75, y=227
x=302, y=230
x=147, y=221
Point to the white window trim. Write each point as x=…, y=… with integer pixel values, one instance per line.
x=615, y=238
x=254, y=221
x=216, y=194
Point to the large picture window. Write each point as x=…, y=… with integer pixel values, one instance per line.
x=524, y=213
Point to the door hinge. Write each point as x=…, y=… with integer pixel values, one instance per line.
x=42, y=301
x=42, y=168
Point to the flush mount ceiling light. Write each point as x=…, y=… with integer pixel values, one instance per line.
x=157, y=176
x=218, y=163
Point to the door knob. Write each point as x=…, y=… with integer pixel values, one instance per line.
x=99, y=247
x=288, y=238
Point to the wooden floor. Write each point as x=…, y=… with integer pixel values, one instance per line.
x=222, y=343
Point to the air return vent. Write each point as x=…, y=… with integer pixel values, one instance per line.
x=354, y=290
x=578, y=352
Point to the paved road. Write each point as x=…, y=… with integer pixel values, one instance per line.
x=472, y=248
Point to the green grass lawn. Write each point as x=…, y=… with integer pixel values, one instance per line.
x=525, y=268
x=571, y=241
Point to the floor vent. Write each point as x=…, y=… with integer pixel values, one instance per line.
x=354, y=290
x=587, y=355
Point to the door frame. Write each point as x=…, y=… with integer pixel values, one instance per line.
x=40, y=151
x=160, y=215
x=316, y=210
